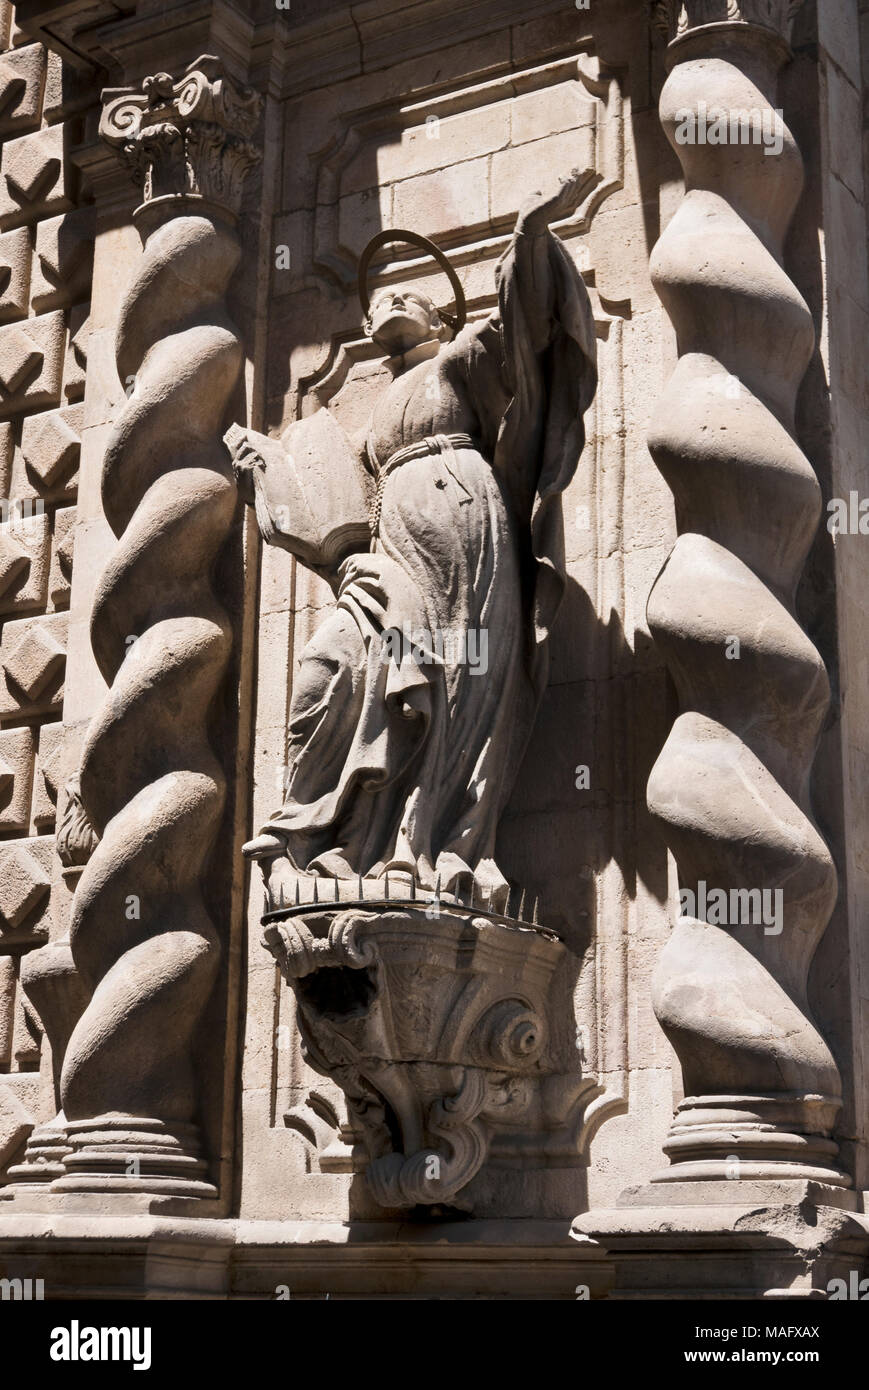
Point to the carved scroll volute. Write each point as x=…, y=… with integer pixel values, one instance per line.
x=151, y=785
x=185, y=137
x=729, y=788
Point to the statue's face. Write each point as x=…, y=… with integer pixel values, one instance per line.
x=400, y=319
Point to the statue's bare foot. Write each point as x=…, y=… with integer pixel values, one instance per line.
x=265, y=846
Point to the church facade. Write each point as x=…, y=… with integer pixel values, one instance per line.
x=434, y=717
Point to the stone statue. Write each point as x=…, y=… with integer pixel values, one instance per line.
x=415, y=699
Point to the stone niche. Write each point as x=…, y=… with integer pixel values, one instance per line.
x=454, y=158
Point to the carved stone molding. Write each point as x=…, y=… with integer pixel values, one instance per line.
x=189, y=137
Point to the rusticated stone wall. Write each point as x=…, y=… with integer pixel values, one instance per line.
x=46, y=253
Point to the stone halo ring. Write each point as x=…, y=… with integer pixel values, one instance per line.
x=455, y=319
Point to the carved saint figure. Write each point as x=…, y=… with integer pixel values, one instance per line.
x=415, y=699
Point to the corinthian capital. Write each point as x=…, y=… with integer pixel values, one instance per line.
x=677, y=17
x=189, y=137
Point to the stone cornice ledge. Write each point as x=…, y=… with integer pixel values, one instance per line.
x=181, y=1255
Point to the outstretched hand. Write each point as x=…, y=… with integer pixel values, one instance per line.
x=539, y=210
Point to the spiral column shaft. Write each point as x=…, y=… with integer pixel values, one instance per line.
x=730, y=788
x=141, y=936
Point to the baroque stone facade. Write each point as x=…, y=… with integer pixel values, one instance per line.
x=433, y=729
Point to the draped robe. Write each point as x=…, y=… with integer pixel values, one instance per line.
x=398, y=757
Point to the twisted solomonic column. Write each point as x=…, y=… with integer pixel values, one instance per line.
x=153, y=789
x=730, y=788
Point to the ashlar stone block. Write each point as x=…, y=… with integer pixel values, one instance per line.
x=61, y=560
x=14, y=562
x=48, y=775
x=16, y=1122
x=75, y=365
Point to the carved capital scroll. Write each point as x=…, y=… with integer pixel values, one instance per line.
x=190, y=137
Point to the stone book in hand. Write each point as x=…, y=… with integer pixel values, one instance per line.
x=311, y=490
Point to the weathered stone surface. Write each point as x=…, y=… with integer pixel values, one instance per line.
x=24, y=559
x=732, y=804
x=62, y=555
x=22, y=76
x=47, y=775
x=159, y=637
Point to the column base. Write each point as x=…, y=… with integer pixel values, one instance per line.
x=728, y=1240
x=766, y=1138
x=131, y=1154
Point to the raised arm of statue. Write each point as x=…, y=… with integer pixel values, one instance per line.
x=537, y=267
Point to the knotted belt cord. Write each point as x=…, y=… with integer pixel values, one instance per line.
x=433, y=444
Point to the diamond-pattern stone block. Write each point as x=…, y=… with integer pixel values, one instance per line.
x=61, y=560
x=14, y=562
x=51, y=444
x=75, y=366
x=24, y=882
x=25, y=553
x=31, y=357
x=63, y=259
x=20, y=360
x=16, y=1122
x=48, y=775
x=32, y=177
x=32, y=659
x=22, y=75
x=16, y=773
x=14, y=273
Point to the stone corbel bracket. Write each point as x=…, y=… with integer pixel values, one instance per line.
x=432, y=1022
x=190, y=137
